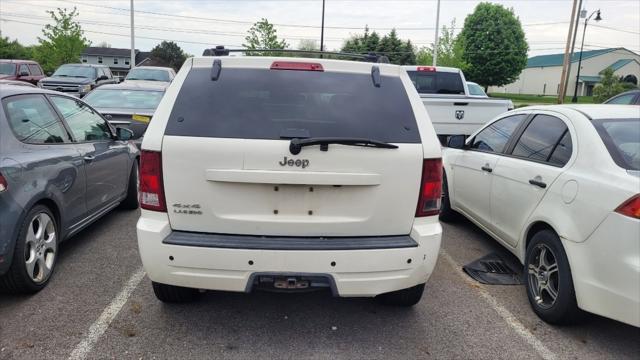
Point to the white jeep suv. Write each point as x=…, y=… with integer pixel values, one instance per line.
x=290, y=174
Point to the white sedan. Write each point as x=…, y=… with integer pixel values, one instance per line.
x=558, y=186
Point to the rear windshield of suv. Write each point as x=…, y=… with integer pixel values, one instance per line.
x=273, y=104
x=622, y=139
x=427, y=82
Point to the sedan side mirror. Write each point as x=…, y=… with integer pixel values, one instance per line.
x=124, y=134
x=103, y=77
x=23, y=73
x=456, y=141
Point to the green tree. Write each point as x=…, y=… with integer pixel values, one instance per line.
x=170, y=53
x=14, y=50
x=62, y=42
x=449, y=50
x=493, y=45
x=398, y=51
x=262, y=35
x=609, y=86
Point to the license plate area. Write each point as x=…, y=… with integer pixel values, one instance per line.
x=299, y=199
x=290, y=282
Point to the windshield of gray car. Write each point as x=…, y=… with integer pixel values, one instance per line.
x=75, y=71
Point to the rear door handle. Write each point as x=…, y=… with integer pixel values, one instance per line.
x=89, y=158
x=487, y=168
x=538, y=183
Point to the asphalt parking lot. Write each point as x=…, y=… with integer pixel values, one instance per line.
x=100, y=305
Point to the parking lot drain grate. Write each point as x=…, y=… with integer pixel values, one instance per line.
x=494, y=269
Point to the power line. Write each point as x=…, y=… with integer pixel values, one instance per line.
x=204, y=43
x=615, y=29
x=116, y=34
x=278, y=24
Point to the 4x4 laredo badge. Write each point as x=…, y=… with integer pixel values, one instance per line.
x=303, y=163
x=187, y=209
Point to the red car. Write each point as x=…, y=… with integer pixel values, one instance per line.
x=21, y=70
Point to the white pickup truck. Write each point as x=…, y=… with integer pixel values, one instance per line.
x=452, y=109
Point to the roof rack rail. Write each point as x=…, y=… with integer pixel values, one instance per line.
x=369, y=57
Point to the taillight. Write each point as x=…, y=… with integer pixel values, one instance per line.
x=3, y=184
x=630, y=207
x=427, y=68
x=430, y=188
x=151, y=187
x=294, y=65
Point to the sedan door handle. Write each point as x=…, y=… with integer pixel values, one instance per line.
x=89, y=158
x=487, y=169
x=538, y=183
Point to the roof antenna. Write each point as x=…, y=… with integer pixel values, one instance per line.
x=215, y=69
x=375, y=75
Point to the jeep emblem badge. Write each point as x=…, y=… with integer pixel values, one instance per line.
x=459, y=114
x=303, y=163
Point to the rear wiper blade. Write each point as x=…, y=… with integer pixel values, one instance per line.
x=297, y=144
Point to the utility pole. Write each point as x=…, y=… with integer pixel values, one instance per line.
x=573, y=46
x=322, y=29
x=435, y=42
x=567, y=56
x=132, y=61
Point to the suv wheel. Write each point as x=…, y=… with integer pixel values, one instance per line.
x=549, y=282
x=131, y=201
x=404, y=297
x=173, y=294
x=447, y=214
x=35, y=253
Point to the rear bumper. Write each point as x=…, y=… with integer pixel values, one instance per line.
x=362, y=272
x=606, y=269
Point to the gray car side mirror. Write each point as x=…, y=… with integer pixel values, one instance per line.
x=124, y=134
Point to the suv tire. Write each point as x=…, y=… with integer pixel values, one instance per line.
x=405, y=297
x=131, y=202
x=562, y=310
x=173, y=294
x=17, y=279
x=447, y=214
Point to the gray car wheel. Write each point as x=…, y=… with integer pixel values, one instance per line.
x=35, y=253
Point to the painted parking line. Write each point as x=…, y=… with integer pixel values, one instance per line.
x=505, y=314
x=110, y=312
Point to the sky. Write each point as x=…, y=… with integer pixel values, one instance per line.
x=199, y=24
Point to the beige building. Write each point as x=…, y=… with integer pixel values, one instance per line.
x=542, y=74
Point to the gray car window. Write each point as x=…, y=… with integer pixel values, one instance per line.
x=494, y=138
x=85, y=124
x=33, y=121
x=626, y=99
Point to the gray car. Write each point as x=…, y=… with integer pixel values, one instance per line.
x=62, y=166
x=129, y=104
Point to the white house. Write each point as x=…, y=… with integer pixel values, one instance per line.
x=542, y=73
x=118, y=60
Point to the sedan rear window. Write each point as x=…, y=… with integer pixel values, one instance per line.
x=148, y=74
x=124, y=99
x=274, y=104
x=622, y=139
